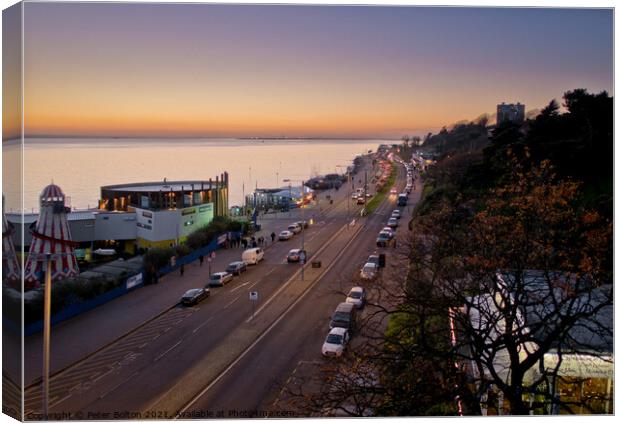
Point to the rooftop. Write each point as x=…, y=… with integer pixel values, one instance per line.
x=166, y=186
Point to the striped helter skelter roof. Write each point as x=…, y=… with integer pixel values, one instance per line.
x=52, y=192
x=51, y=236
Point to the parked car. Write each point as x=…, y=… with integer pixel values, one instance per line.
x=336, y=342
x=369, y=271
x=220, y=278
x=389, y=231
x=361, y=200
x=236, y=267
x=252, y=255
x=383, y=239
x=392, y=222
x=294, y=256
x=194, y=296
x=285, y=235
x=302, y=224
x=354, y=196
x=294, y=227
x=396, y=214
x=373, y=258
x=357, y=296
x=344, y=317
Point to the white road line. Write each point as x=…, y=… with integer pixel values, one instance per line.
x=167, y=351
x=270, y=272
x=292, y=278
x=253, y=285
x=200, y=327
x=232, y=302
x=116, y=386
x=239, y=286
x=269, y=328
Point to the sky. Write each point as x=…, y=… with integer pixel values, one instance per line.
x=113, y=69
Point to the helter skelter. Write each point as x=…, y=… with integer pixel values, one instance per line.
x=51, y=236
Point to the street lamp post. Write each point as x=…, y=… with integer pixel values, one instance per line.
x=303, y=218
x=47, y=305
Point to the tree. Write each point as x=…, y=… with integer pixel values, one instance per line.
x=528, y=271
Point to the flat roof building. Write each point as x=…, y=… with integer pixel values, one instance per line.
x=511, y=112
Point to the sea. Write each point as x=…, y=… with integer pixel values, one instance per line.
x=80, y=166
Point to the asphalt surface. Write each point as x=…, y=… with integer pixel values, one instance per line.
x=123, y=379
x=254, y=386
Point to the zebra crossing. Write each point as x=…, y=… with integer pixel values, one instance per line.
x=83, y=375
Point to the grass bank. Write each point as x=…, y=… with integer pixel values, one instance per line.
x=380, y=195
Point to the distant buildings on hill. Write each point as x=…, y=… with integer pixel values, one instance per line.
x=510, y=112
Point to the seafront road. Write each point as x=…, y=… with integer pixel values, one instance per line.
x=217, y=358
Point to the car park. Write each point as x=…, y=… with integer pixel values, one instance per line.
x=236, y=267
x=392, y=222
x=369, y=271
x=294, y=256
x=357, y=296
x=294, y=227
x=335, y=342
x=220, y=278
x=194, y=296
x=285, y=235
x=252, y=255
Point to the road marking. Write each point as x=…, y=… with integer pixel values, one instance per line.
x=253, y=285
x=270, y=327
x=167, y=351
x=292, y=278
x=203, y=324
x=232, y=302
x=116, y=386
x=239, y=286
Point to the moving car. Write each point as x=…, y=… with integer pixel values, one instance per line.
x=294, y=227
x=392, y=222
x=220, y=278
x=285, y=235
x=336, y=342
x=393, y=191
x=361, y=200
x=294, y=256
x=252, y=255
x=236, y=267
x=357, y=296
x=369, y=271
x=194, y=296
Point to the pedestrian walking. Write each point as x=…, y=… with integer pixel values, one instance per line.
x=254, y=244
x=182, y=270
x=273, y=237
x=201, y=259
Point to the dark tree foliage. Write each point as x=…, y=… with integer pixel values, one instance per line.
x=578, y=143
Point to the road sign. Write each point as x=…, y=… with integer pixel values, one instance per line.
x=254, y=296
x=302, y=256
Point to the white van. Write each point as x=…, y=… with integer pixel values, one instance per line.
x=252, y=255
